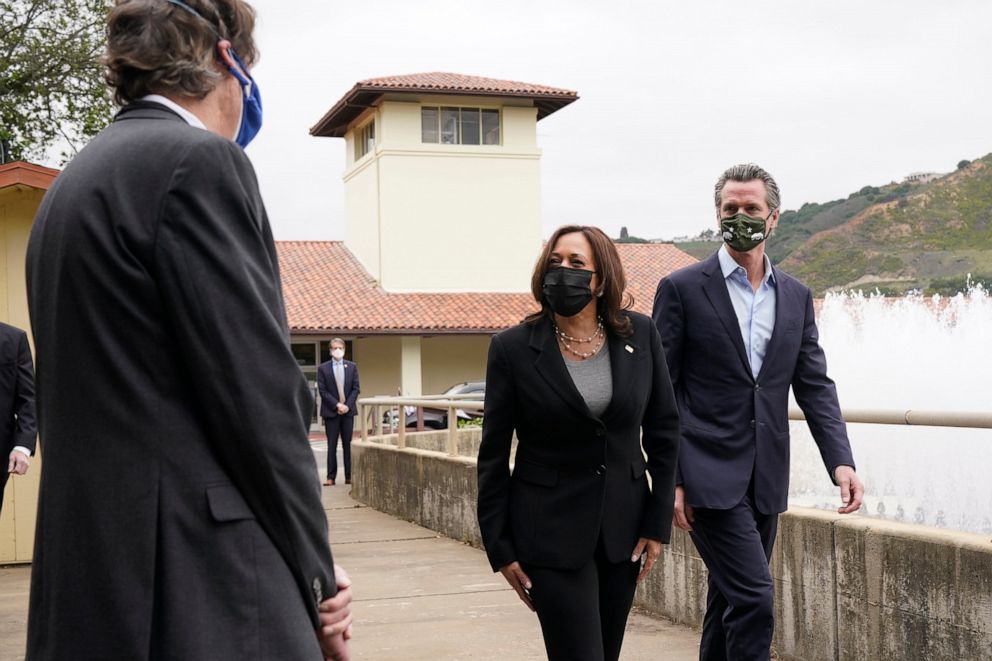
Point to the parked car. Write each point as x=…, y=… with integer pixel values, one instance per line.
x=438, y=418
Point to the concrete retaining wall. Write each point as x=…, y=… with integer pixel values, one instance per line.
x=846, y=587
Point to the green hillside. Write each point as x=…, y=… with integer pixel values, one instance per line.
x=895, y=238
x=927, y=237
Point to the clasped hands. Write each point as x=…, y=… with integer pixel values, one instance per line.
x=342, y=408
x=649, y=549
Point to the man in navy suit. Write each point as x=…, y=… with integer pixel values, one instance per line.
x=18, y=426
x=337, y=381
x=737, y=334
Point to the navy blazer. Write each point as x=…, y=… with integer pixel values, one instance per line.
x=18, y=425
x=576, y=476
x=733, y=424
x=328, y=387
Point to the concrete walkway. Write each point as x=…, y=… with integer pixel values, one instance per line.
x=418, y=596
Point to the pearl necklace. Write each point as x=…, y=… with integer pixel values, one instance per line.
x=565, y=339
x=583, y=354
x=569, y=338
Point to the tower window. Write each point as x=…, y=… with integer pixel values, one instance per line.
x=459, y=126
x=364, y=140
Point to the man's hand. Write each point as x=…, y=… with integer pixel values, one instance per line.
x=851, y=489
x=342, y=408
x=651, y=553
x=335, y=620
x=683, y=515
x=18, y=463
x=519, y=581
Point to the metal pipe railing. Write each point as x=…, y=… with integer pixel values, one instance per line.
x=957, y=419
x=966, y=419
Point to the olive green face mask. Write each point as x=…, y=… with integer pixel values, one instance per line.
x=743, y=232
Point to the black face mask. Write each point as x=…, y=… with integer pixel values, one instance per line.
x=567, y=291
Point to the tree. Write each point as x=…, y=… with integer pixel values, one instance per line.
x=52, y=93
x=623, y=233
x=963, y=164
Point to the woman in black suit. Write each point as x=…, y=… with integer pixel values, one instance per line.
x=585, y=385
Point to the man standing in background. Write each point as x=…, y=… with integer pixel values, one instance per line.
x=18, y=428
x=337, y=381
x=738, y=334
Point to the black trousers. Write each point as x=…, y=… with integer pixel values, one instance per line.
x=4, y=475
x=339, y=426
x=736, y=545
x=583, y=612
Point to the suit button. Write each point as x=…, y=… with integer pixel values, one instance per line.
x=601, y=432
x=757, y=387
x=601, y=470
x=318, y=592
x=752, y=424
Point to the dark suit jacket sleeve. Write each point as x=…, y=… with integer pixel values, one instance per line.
x=219, y=280
x=660, y=439
x=27, y=422
x=494, y=459
x=328, y=394
x=670, y=320
x=816, y=395
x=352, y=395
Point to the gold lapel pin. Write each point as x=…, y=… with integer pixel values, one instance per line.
x=629, y=348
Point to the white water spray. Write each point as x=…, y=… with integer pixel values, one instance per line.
x=908, y=353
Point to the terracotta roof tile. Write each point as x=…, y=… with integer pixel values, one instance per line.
x=327, y=290
x=456, y=82
x=367, y=93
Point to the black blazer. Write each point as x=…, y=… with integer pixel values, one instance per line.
x=575, y=475
x=180, y=499
x=17, y=414
x=734, y=424
x=327, y=385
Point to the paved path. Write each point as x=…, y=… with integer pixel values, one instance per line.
x=418, y=596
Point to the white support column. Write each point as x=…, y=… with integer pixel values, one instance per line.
x=411, y=376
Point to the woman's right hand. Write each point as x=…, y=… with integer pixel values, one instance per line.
x=518, y=580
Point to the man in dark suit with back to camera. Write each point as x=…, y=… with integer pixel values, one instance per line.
x=737, y=334
x=337, y=381
x=18, y=427
x=180, y=513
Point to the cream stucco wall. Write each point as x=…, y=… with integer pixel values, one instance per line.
x=449, y=217
x=20, y=502
x=444, y=361
x=361, y=201
x=448, y=360
x=378, y=360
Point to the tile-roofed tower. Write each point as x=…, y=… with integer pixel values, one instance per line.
x=442, y=179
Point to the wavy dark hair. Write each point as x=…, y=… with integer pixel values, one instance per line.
x=156, y=47
x=612, y=298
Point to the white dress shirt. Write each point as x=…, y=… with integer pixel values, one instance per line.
x=755, y=308
x=190, y=118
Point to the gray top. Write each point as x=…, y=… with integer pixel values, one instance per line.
x=594, y=379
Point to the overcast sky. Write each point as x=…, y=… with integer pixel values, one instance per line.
x=827, y=96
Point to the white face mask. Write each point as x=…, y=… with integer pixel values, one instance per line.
x=338, y=353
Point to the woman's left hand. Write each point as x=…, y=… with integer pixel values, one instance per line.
x=651, y=548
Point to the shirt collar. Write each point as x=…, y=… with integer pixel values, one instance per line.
x=190, y=118
x=728, y=265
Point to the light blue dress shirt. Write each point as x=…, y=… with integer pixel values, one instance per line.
x=755, y=309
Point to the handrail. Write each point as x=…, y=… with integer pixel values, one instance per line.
x=916, y=418
x=964, y=419
x=958, y=419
